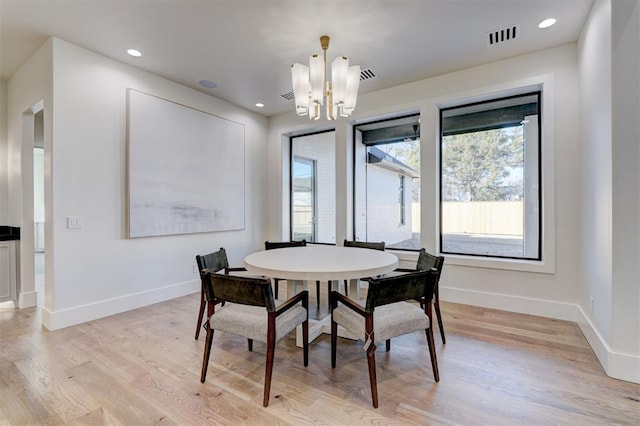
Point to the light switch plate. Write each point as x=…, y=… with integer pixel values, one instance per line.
x=75, y=222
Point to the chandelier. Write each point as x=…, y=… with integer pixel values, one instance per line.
x=312, y=89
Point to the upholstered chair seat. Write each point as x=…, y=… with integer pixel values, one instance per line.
x=251, y=321
x=389, y=321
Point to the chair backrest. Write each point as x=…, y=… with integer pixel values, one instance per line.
x=414, y=285
x=254, y=291
x=365, y=244
x=428, y=261
x=269, y=245
x=214, y=262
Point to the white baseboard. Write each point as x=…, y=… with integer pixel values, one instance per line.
x=77, y=315
x=27, y=299
x=504, y=302
x=615, y=364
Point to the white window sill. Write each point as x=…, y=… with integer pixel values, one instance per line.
x=409, y=259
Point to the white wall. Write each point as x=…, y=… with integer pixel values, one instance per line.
x=609, y=52
x=595, y=133
x=3, y=153
x=625, y=131
x=95, y=271
x=550, y=294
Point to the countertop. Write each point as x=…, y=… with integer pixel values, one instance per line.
x=9, y=233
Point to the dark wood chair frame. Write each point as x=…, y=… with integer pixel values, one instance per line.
x=425, y=262
x=256, y=292
x=270, y=245
x=214, y=262
x=361, y=244
x=418, y=286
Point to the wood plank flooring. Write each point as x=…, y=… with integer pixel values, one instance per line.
x=143, y=367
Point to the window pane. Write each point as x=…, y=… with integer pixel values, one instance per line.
x=387, y=183
x=313, y=199
x=303, y=199
x=490, y=178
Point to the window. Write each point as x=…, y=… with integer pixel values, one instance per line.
x=312, y=177
x=490, y=178
x=303, y=199
x=387, y=182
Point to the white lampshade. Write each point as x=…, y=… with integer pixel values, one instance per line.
x=332, y=111
x=300, y=79
x=314, y=110
x=311, y=85
x=339, y=72
x=351, y=95
x=316, y=78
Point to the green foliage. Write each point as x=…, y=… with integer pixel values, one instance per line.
x=408, y=152
x=476, y=165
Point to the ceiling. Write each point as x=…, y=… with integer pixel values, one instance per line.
x=247, y=47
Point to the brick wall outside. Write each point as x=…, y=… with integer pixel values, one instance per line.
x=321, y=148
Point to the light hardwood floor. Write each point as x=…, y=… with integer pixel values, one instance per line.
x=143, y=367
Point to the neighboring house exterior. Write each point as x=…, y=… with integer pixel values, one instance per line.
x=389, y=195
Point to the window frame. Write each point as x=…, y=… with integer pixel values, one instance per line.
x=401, y=199
x=392, y=117
x=290, y=167
x=545, y=84
x=314, y=199
x=540, y=196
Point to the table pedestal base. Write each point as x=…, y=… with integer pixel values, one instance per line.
x=323, y=326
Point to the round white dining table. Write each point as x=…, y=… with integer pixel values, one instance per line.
x=320, y=263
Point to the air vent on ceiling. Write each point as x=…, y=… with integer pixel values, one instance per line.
x=365, y=74
x=504, y=34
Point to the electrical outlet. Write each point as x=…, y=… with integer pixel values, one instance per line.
x=194, y=268
x=591, y=305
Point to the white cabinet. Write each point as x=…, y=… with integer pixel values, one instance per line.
x=8, y=270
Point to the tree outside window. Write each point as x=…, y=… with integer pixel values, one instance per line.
x=490, y=178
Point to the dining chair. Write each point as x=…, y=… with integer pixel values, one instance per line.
x=425, y=262
x=252, y=313
x=362, y=244
x=270, y=245
x=386, y=314
x=215, y=262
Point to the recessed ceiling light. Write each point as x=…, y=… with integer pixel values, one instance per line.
x=547, y=23
x=208, y=84
x=260, y=105
x=134, y=52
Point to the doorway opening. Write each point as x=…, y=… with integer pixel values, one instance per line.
x=38, y=205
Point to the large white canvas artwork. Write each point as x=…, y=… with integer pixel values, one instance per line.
x=186, y=169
